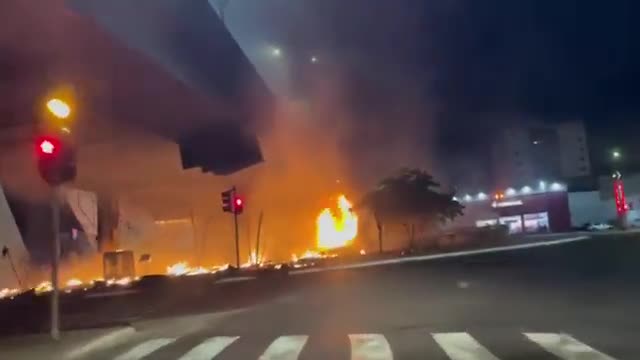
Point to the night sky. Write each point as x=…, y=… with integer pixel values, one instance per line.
x=475, y=64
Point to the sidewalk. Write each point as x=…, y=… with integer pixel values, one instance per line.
x=72, y=344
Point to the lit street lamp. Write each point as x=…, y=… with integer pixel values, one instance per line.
x=314, y=59
x=615, y=154
x=59, y=108
x=276, y=52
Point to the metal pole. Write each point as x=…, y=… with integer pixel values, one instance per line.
x=235, y=224
x=55, y=258
x=258, y=257
x=194, y=239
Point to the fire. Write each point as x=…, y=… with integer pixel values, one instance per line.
x=43, y=287
x=182, y=268
x=335, y=232
x=123, y=281
x=74, y=283
x=310, y=254
x=178, y=269
x=8, y=293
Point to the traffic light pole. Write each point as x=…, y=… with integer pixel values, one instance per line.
x=235, y=224
x=55, y=259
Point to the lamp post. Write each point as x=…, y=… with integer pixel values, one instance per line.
x=61, y=110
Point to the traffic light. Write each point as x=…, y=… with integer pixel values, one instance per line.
x=56, y=160
x=227, y=206
x=238, y=204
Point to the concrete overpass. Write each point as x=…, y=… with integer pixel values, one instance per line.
x=142, y=113
x=157, y=84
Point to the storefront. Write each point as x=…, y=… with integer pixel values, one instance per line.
x=525, y=211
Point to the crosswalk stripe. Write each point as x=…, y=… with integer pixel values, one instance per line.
x=285, y=348
x=144, y=349
x=462, y=346
x=370, y=347
x=566, y=347
x=209, y=348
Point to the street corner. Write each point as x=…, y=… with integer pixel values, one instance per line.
x=75, y=344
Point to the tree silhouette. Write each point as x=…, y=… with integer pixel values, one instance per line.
x=410, y=197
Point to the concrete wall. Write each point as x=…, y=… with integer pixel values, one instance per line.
x=588, y=206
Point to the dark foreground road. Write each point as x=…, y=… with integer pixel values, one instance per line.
x=574, y=301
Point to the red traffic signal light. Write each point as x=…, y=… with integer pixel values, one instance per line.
x=231, y=202
x=47, y=147
x=56, y=160
x=238, y=205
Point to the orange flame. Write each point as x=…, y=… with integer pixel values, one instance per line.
x=335, y=232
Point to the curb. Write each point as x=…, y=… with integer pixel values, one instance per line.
x=410, y=259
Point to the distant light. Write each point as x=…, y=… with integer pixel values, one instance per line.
x=314, y=59
x=616, y=154
x=59, y=108
x=536, y=142
x=543, y=185
x=526, y=190
x=238, y=202
x=276, y=52
x=454, y=198
x=66, y=130
x=468, y=197
x=556, y=187
x=510, y=192
x=482, y=196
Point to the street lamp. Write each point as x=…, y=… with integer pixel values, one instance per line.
x=615, y=154
x=276, y=52
x=314, y=59
x=56, y=166
x=58, y=108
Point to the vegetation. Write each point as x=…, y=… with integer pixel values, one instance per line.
x=410, y=197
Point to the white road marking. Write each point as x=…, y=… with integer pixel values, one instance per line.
x=144, y=349
x=285, y=348
x=462, y=346
x=407, y=259
x=209, y=348
x=566, y=347
x=110, y=339
x=370, y=347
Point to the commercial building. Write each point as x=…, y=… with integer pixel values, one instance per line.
x=527, y=153
x=529, y=209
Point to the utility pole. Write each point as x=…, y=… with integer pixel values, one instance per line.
x=55, y=259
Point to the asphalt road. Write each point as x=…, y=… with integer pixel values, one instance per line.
x=573, y=301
